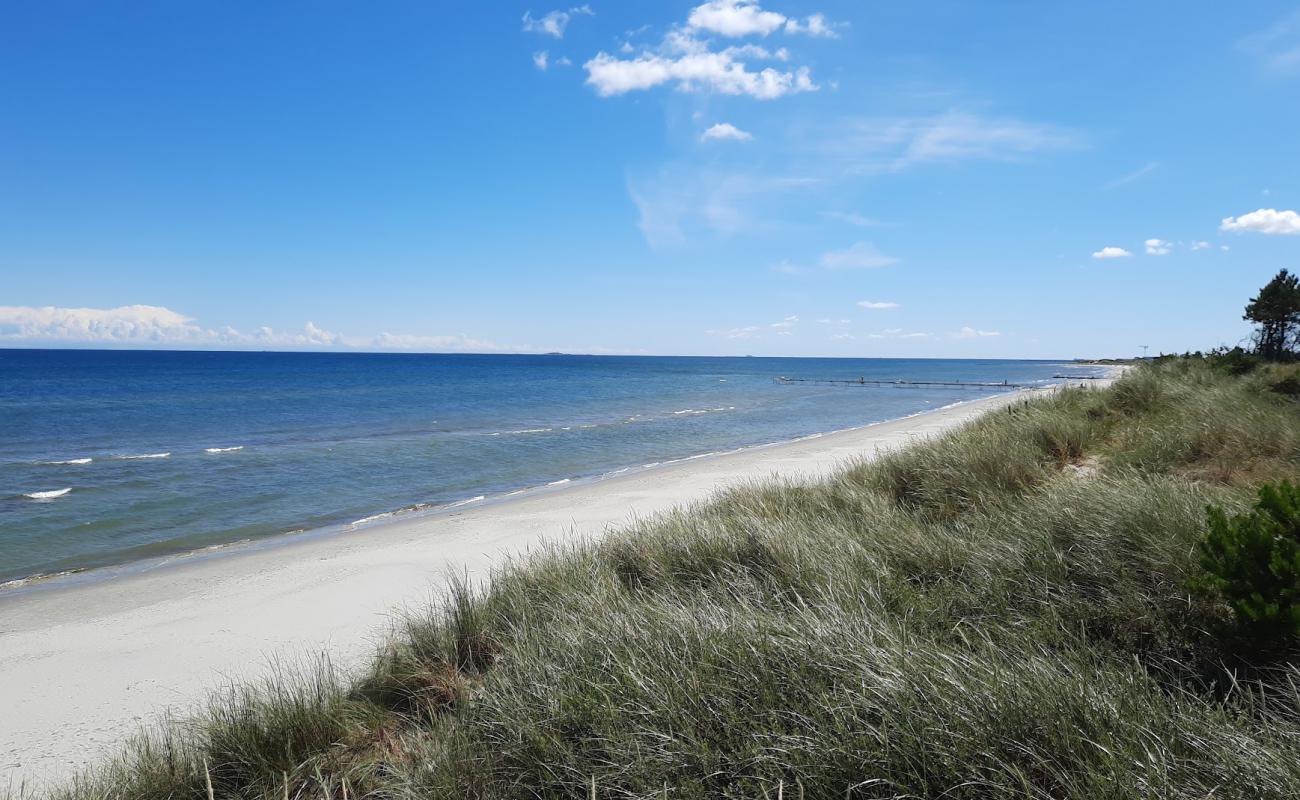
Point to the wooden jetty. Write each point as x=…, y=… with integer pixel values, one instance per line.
x=903, y=383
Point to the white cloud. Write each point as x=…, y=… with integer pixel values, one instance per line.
x=156, y=326
x=1140, y=172
x=841, y=336
x=861, y=255
x=726, y=131
x=1277, y=47
x=875, y=145
x=1265, y=220
x=554, y=23
x=787, y=268
x=785, y=333
x=1112, y=252
x=874, y=305
x=967, y=332
x=853, y=218
x=1157, y=247
x=747, y=332
x=1200, y=245
x=700, y=71
x=735, y=18
x=788, y=322
x=688, y=62
x=126, y=325
x=813, y=25
x=540, y=59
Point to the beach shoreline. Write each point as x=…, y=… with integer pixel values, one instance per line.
x=84, y=661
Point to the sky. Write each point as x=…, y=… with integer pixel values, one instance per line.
x=944, y=179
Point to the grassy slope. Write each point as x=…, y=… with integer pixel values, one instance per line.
x=1000, y=613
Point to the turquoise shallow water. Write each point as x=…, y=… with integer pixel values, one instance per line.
x=163, y=452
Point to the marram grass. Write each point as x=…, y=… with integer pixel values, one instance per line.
x=999, y=613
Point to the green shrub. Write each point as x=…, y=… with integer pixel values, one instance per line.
x=1253, y=559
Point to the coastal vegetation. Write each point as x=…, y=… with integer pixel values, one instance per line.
x=1037, y=605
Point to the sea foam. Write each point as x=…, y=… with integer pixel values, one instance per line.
x=223, y=449
x=48, y=495
x=133, y=457
x=69, y=461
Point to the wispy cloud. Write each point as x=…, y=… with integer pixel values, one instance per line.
x=877, y=305
x=1111, y=252
x=541, y=59
x=1265, y=220
x=747, y=332
x=554, y=22
x=853, y=218
x=897, y=143
x=1277, y=47
x=157, y=326
x=1140, y=172
x=725, y=131
x=967, y=332
x=860, y=255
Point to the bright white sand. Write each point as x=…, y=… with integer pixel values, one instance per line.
x=83, y=665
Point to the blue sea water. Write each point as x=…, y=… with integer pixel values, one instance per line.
x=165, y=452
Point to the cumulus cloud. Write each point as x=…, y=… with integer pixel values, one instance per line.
x=1112, y=252
x=875, y=305
x=1157, y=247
x=1265, y=220
x=157, y=326
x=719, y=72
x=541, y=60
x=735, y=18
x=726, y=131
x=861, y=255
x=788, y=322
x=127, y=324
x=1200, y=245
x=812, y=25
x=967, y=332
x=554, y=23
x=687, y=60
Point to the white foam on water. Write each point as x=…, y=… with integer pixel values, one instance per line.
x=223, y=449
x=69, y=461
x=559, y=482
x=48, y=495
x=131, y=457
x=466, y=502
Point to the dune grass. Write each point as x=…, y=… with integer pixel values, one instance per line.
x=1002, y=612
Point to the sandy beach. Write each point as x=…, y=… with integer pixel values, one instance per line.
x=84, y=663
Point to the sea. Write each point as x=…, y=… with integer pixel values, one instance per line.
x=114, y=457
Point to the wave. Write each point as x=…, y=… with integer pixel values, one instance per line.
x=694, y=411
x=69, y=461
x=560, y=482
x=137, y=457
x=466, y=502
x=48, y=495
x=525, y=430
x=223, y=449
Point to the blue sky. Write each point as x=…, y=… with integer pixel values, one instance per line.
x=775, y=178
